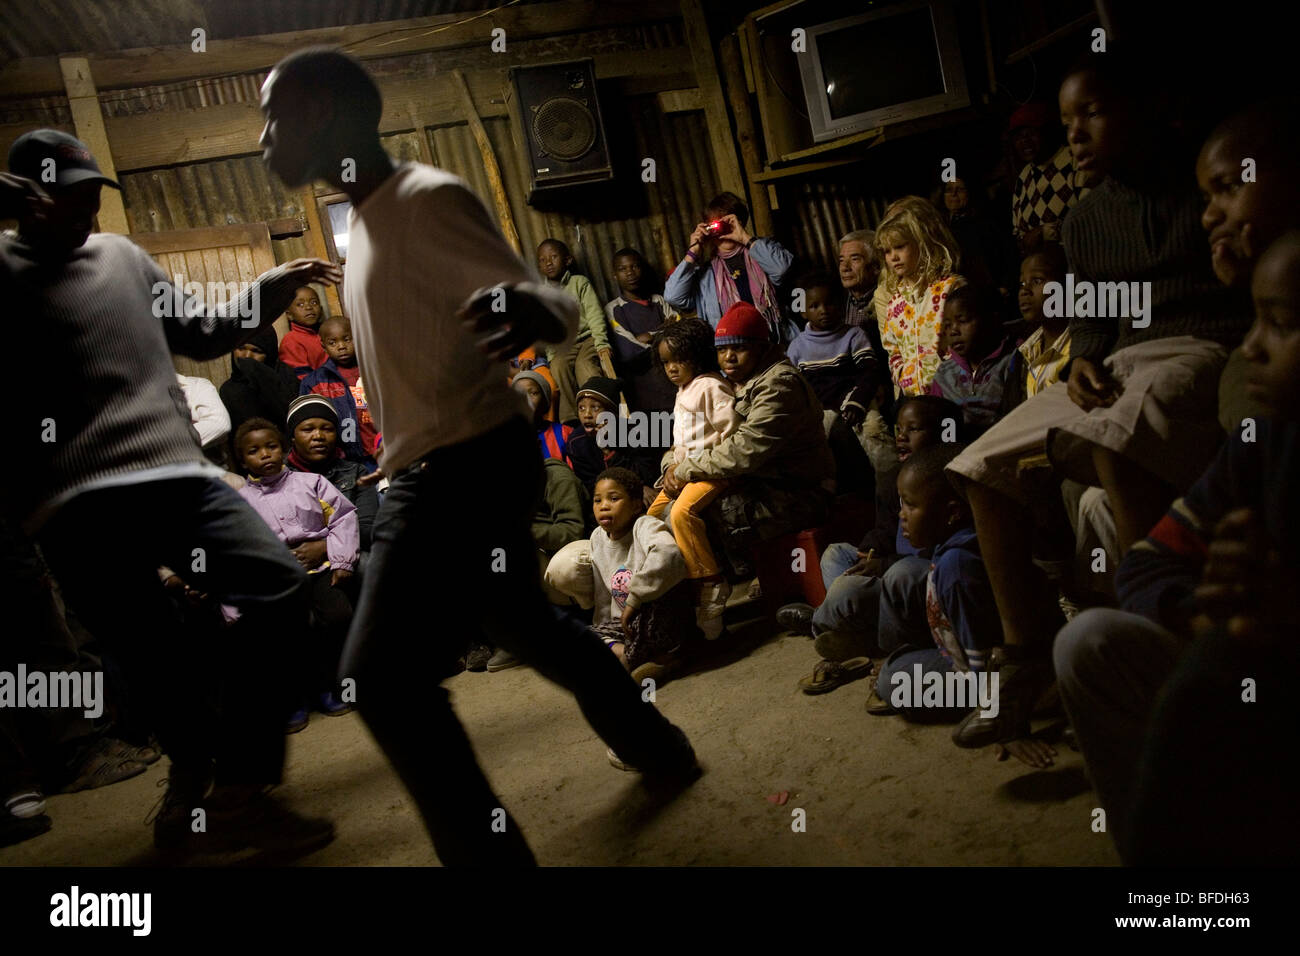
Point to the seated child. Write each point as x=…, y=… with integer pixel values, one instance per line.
x=529, y=361
x=589, y=456
x=553, y=437
x=975, y=373
x=319, y=526
x=634, y=317
x=590, y=353
x=837, y=359
x=1039, y=359
x=301, y=349
x=339, y=380
x=641, y=611
x=950, y=624
x=844, y=625
x=313, y=435
x=703, y=416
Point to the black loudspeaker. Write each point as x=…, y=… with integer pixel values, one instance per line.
x=558, y=124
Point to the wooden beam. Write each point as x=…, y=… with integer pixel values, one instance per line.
x=680, y=101
x=147, y=66
x=166, y=138
x=715, y=104
x=735, y=76
x=83, y=101
x=775, y=174
x=495, y=182
x=834, y=144
x=1059, y=33
x=316, y=241
x=286, y=228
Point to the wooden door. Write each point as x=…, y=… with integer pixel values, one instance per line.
x=221, y=254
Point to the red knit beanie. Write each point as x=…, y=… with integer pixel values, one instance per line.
x=742, y=323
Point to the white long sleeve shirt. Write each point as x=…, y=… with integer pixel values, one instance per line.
x=418, y=247
x=207, y=414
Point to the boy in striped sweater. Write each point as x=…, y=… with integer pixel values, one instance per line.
x=836, y=359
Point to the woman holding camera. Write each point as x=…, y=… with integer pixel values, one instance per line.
x=724, y=265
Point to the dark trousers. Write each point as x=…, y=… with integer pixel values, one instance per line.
x=105, y=547
x=331, y=616
x=461, y=517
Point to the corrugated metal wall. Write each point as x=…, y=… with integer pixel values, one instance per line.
x=817, y=212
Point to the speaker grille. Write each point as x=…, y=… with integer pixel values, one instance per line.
x=564, y=128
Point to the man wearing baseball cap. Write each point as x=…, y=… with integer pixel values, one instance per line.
x=114, y=485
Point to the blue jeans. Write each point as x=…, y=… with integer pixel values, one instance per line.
x=405, y=636
x=114, y=589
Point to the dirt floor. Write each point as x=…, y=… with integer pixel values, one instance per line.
x=875, y=790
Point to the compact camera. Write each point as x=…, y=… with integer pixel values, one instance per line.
x=719, y=227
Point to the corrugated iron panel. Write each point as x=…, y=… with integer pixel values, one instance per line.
x=819, y=211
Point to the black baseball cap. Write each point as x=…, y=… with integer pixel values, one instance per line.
x=72, y=160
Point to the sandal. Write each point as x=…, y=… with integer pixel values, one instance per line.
x=828, y=675
x=877, y=706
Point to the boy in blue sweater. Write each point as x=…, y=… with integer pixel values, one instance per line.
x=952, y=622
x=837, y=359
x=1180, y=700
x=339, y=381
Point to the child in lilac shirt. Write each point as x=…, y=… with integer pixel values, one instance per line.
x=320, y=526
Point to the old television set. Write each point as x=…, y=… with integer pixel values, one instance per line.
x=891, y=65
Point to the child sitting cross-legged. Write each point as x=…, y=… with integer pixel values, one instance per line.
x=947, y=622
x=704, y=414
x=319, y=525
x=643, y=610
x=844, y=625
x=979, y=362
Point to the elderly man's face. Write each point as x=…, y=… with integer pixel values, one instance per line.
x=859, y=267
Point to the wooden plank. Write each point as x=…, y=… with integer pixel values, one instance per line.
x=316, y=241
x=745, y=137
x=146, y=66
x=721, y=144
x=774, y=174
x=284, y=228
x=680, y=101
x=170, y=137
x=88, y=118
x=181, y=240
x=495, y=183
x=820, y=148
x=742, y=32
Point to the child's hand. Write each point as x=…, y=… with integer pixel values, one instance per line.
x=1091, y=385
x=867, y=564
x=853, y=415
x=1029, y=751
x=629, y=615
x=522, y=320
x=339, y=576
x=1242, y=584
x=672, y=484
x=524, y=364
x=310, y=554
x=645, y=338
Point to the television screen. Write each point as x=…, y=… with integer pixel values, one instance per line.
x=881, y=63
x=887, y=66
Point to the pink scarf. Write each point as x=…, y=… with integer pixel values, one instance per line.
x=760, y=287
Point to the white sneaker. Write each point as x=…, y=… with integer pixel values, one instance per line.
x=709, y=610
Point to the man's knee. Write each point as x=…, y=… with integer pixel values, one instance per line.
x=1083, y=647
